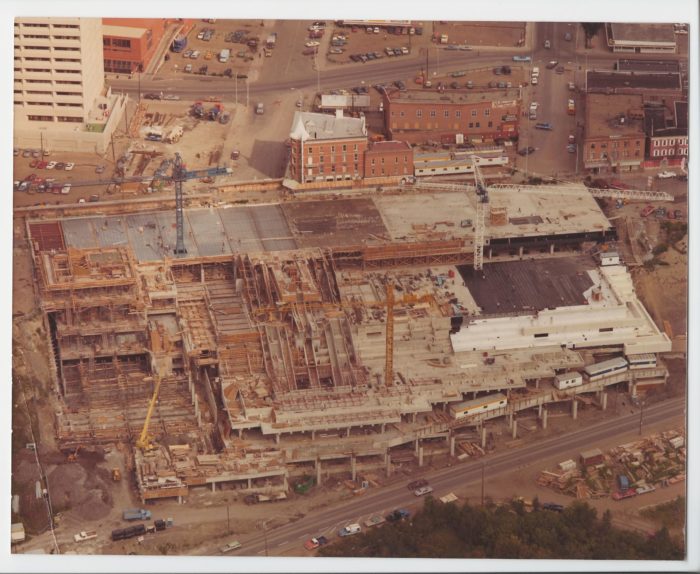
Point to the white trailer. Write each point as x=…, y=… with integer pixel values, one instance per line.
x=477, y=406
x=568, y=380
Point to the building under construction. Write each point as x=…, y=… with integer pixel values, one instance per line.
x=324, y=335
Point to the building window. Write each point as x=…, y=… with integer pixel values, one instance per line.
x=332, y=149
x=432, y=113
x=419, y=113
x=320, y=159
x=40, y=118
x=355, y=147
x=345, y=147
x=121, y=43
x=447, y=113
x=487, y=112
x=490, y=124
x=458, y=114
x=310, y=151
x=401, y=114
x=106, y=42
x=37, y=47
x=373, y=161
x=656, y=153
x=70, y=119
x=627, y=143
x=355, y=157
x=477, y=124
x=473, y=113
x=471, y=124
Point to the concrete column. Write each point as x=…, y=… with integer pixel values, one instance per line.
x=551, y=248
x=347, y=432
x=574, y=408
x=313, y=434
x=387, y=459
x=250, y=483
x=544, y=418
x=510, y=420
x=318, y=472
x=277, y=438
x=483, y=437
x=520, y=252
x=604, y=400
x=240, y=433
x=537, y=383
x=452, y=445
x=633, y=389
x=539, y=411
x=420, y=456
x=383, y=427
x=213, y=487
x=515, y=428
x=179, y=499
x=413, y=417
x=490, y=252
x=417, y=445
x=353, y=466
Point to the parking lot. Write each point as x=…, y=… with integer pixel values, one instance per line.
x=482, y=34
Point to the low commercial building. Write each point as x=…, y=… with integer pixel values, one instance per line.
x=447, y=163
x=655, y=87
x=388, y=158
x=419, y=116
x=129, y=44
x=646, y=39
x=327, y=147
x=614, y=138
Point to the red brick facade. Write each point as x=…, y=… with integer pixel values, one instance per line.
x=331, y=159
x=389, y=158
x=126, y=52
x=418, y=116
x=667, y=146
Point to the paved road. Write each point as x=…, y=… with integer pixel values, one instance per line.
x=352, y=74
x=327, y=521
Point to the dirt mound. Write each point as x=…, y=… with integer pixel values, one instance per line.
x=84, y=492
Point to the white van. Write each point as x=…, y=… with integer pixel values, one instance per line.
x=349, y=530
x=224, y=55
x=260, y=108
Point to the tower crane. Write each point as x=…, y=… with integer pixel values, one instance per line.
x=482, y=198
x=178, y=178
x=144, y=440
x=389, y=365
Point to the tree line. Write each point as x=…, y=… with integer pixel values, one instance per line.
x=507, y=531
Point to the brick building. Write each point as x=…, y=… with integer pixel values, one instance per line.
x=327, y=147
x=418, y=116
x=656, y=88
x=614, y=138
x=667, y=141
x=130, y=43
x=388, y=158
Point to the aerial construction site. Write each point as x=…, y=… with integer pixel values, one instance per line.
x=320, y=335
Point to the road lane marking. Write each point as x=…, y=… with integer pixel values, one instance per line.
x=280, y=543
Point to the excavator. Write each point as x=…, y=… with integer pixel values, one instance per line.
x=144, y=440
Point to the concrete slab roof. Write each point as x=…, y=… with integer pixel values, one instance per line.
x=599, y=80
x=642, y=34
x=604, y=110
x=123, y=31
x=455, y=97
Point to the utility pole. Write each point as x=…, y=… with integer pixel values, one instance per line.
x=641, y=415
x=483, y=483
x=228, y=519
x=235, y=83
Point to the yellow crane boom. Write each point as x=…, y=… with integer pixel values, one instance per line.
x=144, y=441
x=389, y=366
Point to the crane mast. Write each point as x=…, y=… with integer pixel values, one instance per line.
x=482, y=198
x=144, y=441
x=389, y=366
x=178, y=178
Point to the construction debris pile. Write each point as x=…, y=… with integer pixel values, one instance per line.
x=625, y=471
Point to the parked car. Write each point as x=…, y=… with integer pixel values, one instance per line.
x=552, y=506
x=16, y=152
x=151, y=96
x=100, y=169
x=188, y=68
x=544, y=126
x=27, y=153
x=60, y=165
x=526, y=151
x=560, y=70
x=312, y=44
x=547, y=44
x=69, y=166
x=42, y=164
x=423, y=490
x=230, y=546
x=552, y=64
x=33, y=163
x=51, y=165
x=666, y=174
x=314, y=543
x=65, y=190
x=398, y=514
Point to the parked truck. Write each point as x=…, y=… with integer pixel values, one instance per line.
x=85, y=535
x=136, y=514
x=128, y=532
x=174, y=135
x=271, y=41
